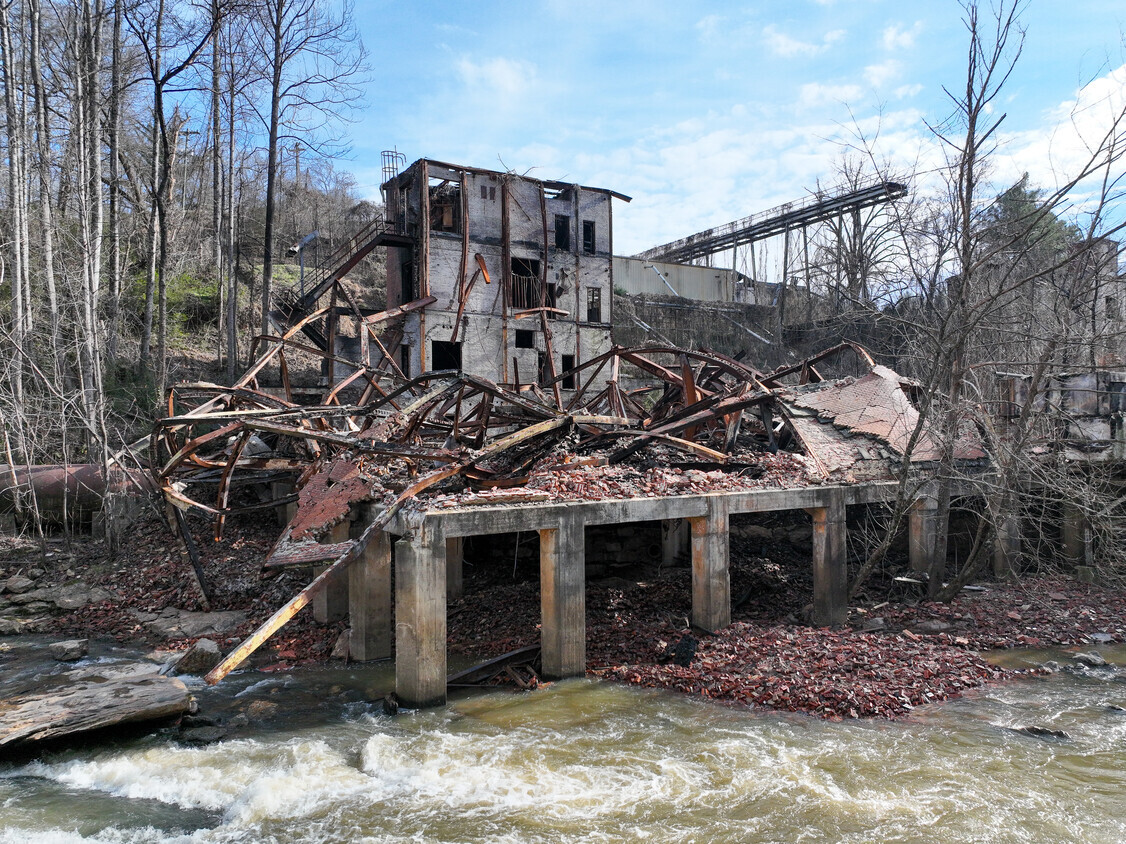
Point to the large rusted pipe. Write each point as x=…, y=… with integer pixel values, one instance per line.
x=73, y=491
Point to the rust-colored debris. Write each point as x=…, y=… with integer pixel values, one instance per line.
x=703, y=422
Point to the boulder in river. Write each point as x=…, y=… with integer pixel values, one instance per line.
x=70, y=650
x=1041, y=732
x=1091, y=660
x=79, y=700
x=198, y=659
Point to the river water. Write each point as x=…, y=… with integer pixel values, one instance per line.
x=588, y=761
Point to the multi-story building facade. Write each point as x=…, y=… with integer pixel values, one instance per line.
x=520, y=271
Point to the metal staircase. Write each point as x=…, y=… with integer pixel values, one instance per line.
x=291, y=306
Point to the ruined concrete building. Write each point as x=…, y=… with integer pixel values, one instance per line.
x=519, y=269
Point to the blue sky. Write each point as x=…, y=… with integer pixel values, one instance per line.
x=707, y=112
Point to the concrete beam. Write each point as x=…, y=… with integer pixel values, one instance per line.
x=455, y=559
x=285, y=512
x=830, y=572
x=711, y=577
x=331, y=603
x=369, y=601
x=420, y=619
x=563, y=598
x=922, y=526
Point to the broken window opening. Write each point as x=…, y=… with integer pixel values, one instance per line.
x=525, y=291
x=525, y=339
x=1112, y=307
x=594, y=304
x=551, y=298
x=445, y=206
x=407, y=282
x=543, y=371
x=568, y=382
x=445, y=355
x=405, y=360
x=563, y=232
x=588, y=237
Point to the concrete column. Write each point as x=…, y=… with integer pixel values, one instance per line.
x=280, y=489
x=563, y=598
x=711, y=577
x=331, y=603
x=676, y=541
x=420, y=620
x=1075, y=534
x=1006, y=547
x=922, y=526
x=455, y=558
x=369, y=601
x=830, y=572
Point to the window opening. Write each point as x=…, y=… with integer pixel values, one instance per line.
x=405, y=360
x=544, y=371
x=551, y=298
x=525, y=339
x=525, y=283
x=594, y=304
x=1112, y=307
x=445, y=206
x=563, y=232
x=569, y=379
x=588, y=237
x=445, y=355
x=484, y=191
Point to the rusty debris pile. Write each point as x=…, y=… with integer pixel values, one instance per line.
x=701, y=422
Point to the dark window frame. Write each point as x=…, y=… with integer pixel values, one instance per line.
x=594, y=305
x=563, y=232
x=590, y=238
x=525, y=339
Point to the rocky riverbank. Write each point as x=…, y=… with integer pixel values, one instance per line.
x=898, y=651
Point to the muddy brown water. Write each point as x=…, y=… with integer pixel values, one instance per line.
x=589, y=761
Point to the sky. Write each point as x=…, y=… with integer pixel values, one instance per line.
x=707, y=112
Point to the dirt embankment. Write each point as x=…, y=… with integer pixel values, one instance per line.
x=897, y=653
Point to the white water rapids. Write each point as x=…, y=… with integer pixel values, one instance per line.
x=585, y=761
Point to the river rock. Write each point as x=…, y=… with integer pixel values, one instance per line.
x=70, y=650
x=1091, y=660
x=931, y=625
x=83, y=699
x=72, y=597
x=203, y=735
x=259, y=709
x=18, y=584
x=1041, y=732
x=342, y=648
x=198, y=659
x=1101, y=638
x=185, y=624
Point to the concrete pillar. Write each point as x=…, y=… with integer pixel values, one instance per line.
x=830, y=572
x=331, y=603
x=455, y=558
x=711, y=577
x=676, y=541
x=922, y=526
x=420, y=620
x=1006, y=547
x=369, y=601
x=1075, y=534
x=563, y=598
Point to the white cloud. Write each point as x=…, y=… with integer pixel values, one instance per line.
x=788, y=47
x=904, y=91
x=898, y=38
x=815, y=94
x=499, y=76
x=878, y=75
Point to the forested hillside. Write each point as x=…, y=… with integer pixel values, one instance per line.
x=162, y=163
